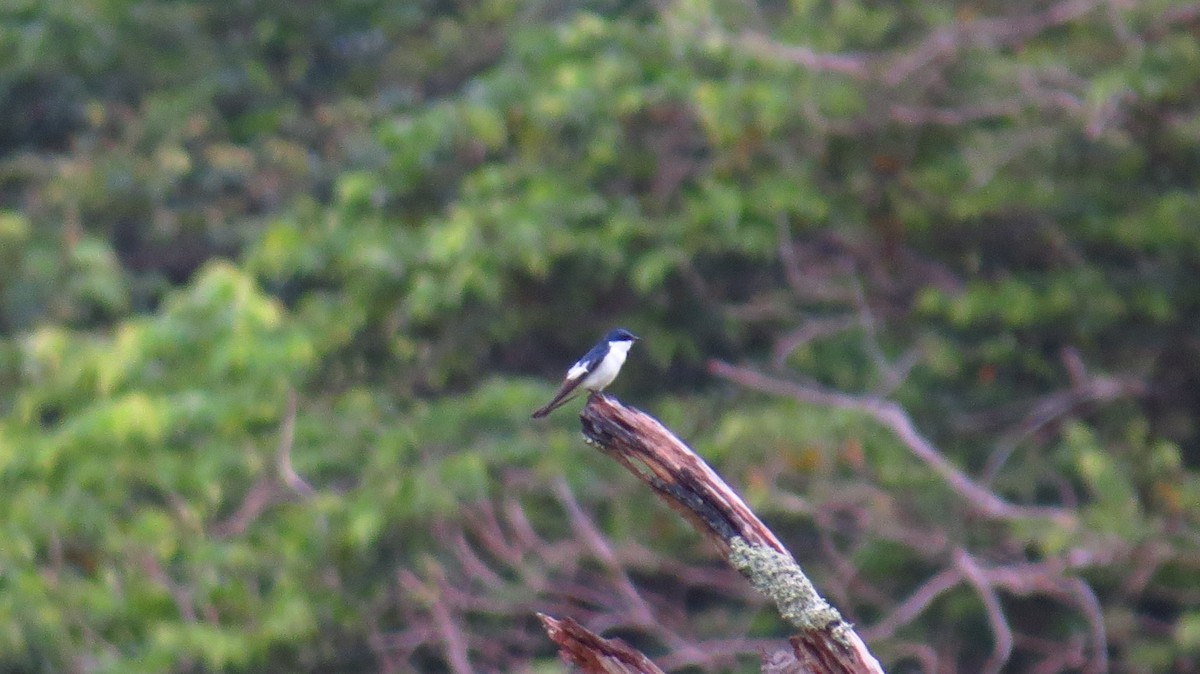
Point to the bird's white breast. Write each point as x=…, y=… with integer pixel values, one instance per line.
x=607, y=370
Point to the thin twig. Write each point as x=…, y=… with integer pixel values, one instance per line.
x=812, y=329
x=261, y=496
x=1001, y=631
x=453, y=640
x=287, y=435
x=1085, y=388
x=915, y=605
x=1089, y=604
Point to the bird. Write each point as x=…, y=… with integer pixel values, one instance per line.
x=597, y=369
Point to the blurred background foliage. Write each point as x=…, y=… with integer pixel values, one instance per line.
x=281, y=281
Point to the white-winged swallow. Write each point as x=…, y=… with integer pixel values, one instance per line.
x=597, y=369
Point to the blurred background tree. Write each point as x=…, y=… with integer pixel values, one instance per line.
x=280, y=283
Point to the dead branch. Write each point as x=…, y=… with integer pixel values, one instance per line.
x=826, y=643
x=453, y=640
x=917, y=602
x=844, y=64
x=992, y=32
x=895, y=419
x=262, y=495
x=592, y=653
x=270, y=489
x=283, y=455
x=1001, y=631
x=1085, y=389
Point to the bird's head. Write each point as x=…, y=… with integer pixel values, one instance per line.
x=621, y=335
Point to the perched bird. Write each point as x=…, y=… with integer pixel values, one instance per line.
x=597, y=369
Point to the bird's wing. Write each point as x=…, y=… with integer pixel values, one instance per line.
x=575, y=377
x=564, y=393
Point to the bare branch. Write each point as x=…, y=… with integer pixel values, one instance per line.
x=809, y=331
x=179, y=592
x=1085, y=388
x=453, y=640
x=685, y=481
x=994, y=32
x=787, y=256
x=1089, y=604
x=844, y=64
x=916, y=604
x=287, y=434
x=1002, y=649
x=826, y=643
x=592, y=653
x=893, y=375
x=267, y=490
x=260, y=497
x=893, y=417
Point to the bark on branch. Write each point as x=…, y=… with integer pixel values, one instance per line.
x=826, y=644
x=593, y=653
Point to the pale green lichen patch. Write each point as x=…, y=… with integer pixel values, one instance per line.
x=779, y=577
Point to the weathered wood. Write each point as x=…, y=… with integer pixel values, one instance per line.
x=592, y=653
x=826, y=644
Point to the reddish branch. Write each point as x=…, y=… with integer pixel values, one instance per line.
x=593, y=654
